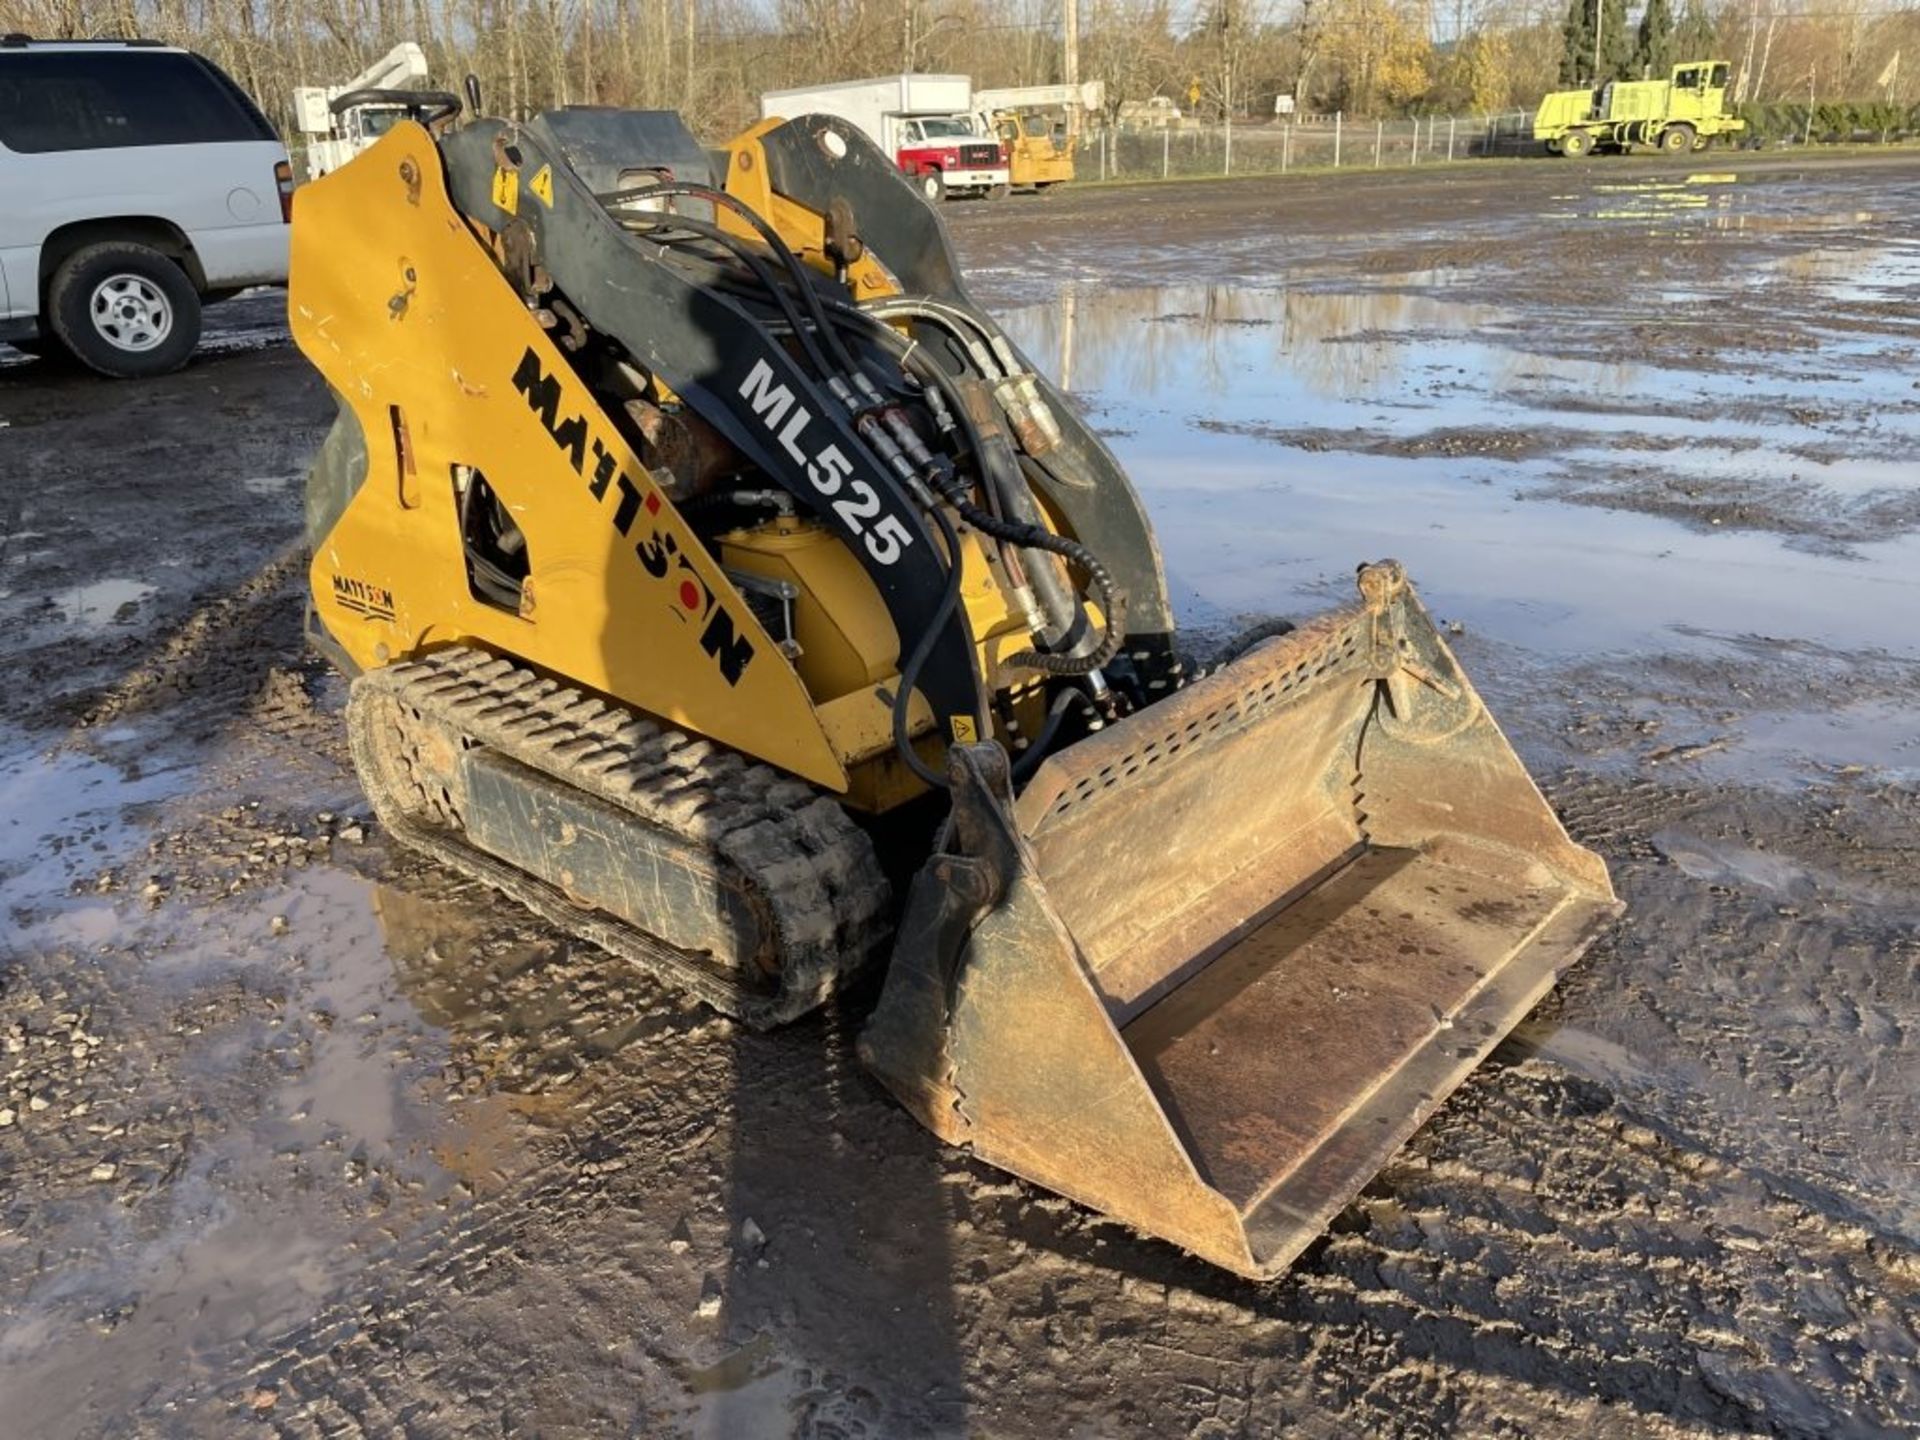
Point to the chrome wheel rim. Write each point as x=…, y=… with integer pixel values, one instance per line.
x=131, y=313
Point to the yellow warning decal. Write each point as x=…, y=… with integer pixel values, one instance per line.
x=542, y=185
x=965, y=732
x=506, y=190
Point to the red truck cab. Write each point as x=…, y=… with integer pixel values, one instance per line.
x=945, y=156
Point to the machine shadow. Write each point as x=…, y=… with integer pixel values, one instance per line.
x=833, y=1281
x=840, y=1227
x=673, y=1164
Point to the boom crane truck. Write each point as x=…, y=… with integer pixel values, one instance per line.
x=339, y=121
x=1039, y=125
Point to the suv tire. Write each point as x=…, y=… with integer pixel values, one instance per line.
x=124, y=310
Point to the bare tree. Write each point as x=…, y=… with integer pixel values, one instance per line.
x=712, y=58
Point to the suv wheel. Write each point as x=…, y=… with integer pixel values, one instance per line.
x=124, y=310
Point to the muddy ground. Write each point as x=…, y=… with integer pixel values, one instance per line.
x=300, y=1134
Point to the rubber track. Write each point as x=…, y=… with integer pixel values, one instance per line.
x=814, y=868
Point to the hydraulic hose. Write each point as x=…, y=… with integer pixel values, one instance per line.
x=910, y=672
x=1028, y=536
x=955, y=322
x=1113, y=604
x=774, y=241
x=896, y=384
x=849, y=367
x=1030, y=760
x=803, y=332
x=950, y=596
x=841, y=381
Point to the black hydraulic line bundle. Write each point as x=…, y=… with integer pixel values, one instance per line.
x=933, y=478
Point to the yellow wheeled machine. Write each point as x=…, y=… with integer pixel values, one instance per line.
x=721, y=583
x=1037, y=159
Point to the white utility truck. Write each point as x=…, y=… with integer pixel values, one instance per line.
x=332, y=140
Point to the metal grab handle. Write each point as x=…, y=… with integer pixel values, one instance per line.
x=427, y=106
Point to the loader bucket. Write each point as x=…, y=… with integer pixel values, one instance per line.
x=1218, y=961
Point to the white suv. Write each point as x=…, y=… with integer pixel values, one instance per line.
x=137, y=181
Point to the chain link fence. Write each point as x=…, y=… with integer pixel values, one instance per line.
x=1316, y=142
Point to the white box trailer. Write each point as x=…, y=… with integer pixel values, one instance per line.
x=923, y=121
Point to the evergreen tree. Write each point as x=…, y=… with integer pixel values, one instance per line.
x=1576, y=48
x=1616, y=49
x=1616, y=42
x=1653, y=46
x=1694, y=38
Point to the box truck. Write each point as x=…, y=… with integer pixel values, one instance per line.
x=923, y=121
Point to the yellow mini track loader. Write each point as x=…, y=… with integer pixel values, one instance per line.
x=707, y=561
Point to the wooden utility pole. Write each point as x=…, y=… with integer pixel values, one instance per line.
x=687, y=92
x=1070, y=22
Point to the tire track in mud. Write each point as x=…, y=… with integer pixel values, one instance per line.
x=1772, y=952
x=211, y=659
x=636, y=1117
x=1553, y=1250
x=1543, y=1257
x=1546, y=1242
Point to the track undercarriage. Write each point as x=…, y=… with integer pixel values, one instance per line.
x=720, y=877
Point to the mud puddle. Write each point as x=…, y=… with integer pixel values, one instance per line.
x=101, y=603
x=1877, y=736
x=67, y=817
x=1711, y=199
x=1548, y=505
x=1854, y=274
x=745, y=1393
x=231, y=1101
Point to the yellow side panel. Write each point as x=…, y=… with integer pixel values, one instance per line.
x=1037, y=162
x=402, y=309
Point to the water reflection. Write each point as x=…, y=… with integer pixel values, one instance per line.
x=1279, y=435
x=1871, y=273
x=1274, y=352
x=1672, y=206
x=1662, y=199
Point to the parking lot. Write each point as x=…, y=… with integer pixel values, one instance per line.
x=304, y=1133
